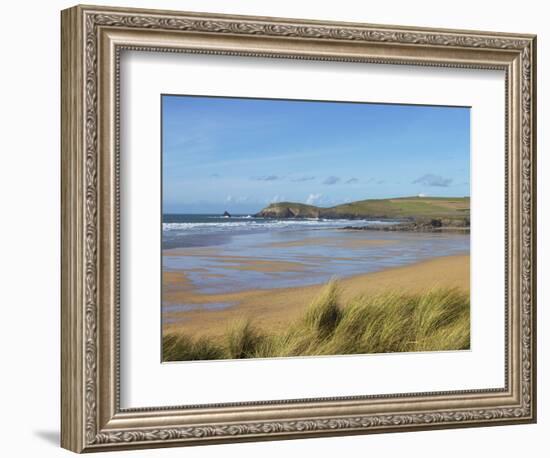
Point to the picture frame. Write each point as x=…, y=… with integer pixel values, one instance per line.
x=93, y=39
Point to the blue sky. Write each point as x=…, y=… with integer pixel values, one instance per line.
x=240, y=154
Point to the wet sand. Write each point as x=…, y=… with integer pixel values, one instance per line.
x=297, y=258
x=273, y=309
x=333, y=242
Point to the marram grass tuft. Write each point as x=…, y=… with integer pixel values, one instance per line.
x=436, y=320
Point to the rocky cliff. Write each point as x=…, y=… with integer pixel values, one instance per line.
x=289, y=210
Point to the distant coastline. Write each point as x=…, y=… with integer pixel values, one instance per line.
x=417, y=214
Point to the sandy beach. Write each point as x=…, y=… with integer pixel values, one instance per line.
x=333, y=242
x=274, y=308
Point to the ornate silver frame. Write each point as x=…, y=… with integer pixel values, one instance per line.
x=92, y=39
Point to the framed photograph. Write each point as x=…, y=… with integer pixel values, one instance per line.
x=279, y=228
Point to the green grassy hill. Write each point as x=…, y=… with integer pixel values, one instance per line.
x=415, y=208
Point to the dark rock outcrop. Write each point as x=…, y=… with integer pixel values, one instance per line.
x=432, y=225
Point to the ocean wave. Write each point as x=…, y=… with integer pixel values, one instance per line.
x=261, y=223
x=232, y=217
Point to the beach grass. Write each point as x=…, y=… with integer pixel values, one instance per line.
x=436, y=320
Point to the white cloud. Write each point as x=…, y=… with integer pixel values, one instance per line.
x=430, y=179
x=237, y=200
x=331, y=180
x=276, y=199
x=313, y=199
x=304, y=178
x=267, y=178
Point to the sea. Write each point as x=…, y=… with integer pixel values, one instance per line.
x=192, y=230
x=229, y=254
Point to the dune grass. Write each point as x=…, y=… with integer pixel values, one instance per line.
x=391, y=322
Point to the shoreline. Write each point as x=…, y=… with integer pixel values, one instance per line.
x=274, y=308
